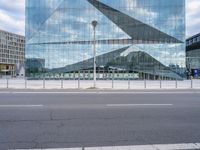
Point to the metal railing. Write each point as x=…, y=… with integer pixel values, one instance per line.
x=102, y=84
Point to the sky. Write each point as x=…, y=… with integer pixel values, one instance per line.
x=12, y=16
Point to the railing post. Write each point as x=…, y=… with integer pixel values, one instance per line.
x=113, y=79
x=7, y=83
x=191, y=83
x=129, y=86
x=43, y=83
x=25, y=83
x=61, y=83
x=160, y=84
x=78, y=79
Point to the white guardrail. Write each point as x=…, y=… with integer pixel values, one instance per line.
x=101, y=84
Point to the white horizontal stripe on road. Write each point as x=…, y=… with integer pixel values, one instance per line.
x=183, y=146
x=127, y=105
x=52, y=149
x=19, y=106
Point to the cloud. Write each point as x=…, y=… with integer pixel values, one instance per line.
x=192, y=17
x=12, y=16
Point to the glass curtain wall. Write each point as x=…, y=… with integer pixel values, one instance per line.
x=145, y=38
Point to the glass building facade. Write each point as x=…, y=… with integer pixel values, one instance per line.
x=145, y=38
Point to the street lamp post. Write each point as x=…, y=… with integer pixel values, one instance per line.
x=94, y=24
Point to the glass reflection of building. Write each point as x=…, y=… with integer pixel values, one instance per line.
x=144, y=37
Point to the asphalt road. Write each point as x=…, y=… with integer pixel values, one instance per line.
x=61, y=120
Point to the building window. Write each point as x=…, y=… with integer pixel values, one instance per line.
x=195, y=40
x=198, y=38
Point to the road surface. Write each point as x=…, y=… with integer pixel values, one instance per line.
x=53, y=119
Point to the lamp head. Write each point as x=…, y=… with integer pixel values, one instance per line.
x=94, y=23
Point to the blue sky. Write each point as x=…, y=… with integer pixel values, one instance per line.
x=12, y=16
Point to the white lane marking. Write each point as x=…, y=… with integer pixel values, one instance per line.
x=52, y=149
x=139, y=147
x=19, y=106
x=182, y=146
x=127, y=105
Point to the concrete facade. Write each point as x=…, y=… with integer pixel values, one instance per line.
x=12, y=53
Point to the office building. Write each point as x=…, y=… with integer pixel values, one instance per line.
x=12, y=54
x=141, y=37
x=193, y=55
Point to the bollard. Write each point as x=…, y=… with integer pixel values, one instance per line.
x=129, y=85
x=145, y=84
x=176, y=84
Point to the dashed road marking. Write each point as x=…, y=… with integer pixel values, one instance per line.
x=132, y=105
x=20, y=106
